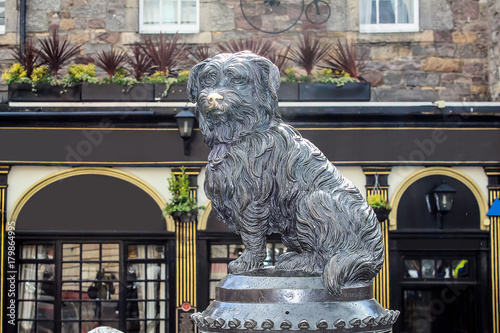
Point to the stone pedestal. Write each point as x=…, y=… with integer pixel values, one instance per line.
x=269, y=300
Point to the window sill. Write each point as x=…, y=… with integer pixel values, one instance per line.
x=388, y=28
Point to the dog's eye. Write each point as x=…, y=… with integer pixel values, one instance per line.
x=238, y=80
x=207, y=81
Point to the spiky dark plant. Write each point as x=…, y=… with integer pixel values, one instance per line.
x=258, y=46
x=164, y=52
x=280, y=59
x=200, y=52
x=345, y=58
x=27, y=56
x=56, y=52
x=309, y=53
x=139, y=62
x=110, y=61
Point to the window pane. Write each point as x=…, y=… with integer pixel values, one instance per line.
x=412, y=268
x=443, y=269
x=70, y=310
x=428, y=269
x=218, y=251
x=45, y=251
x=28, y=252
x=151, y=14
x=406, y=11
x=236, y=250
x=386, y=12
x=45, y=271
x=169, y=12
x=136, y=272
x=71, y=252
x=27, y=290
x=90, y=252
x=90, y=271
x=71, y=290
x=109, y=310
x=218, y=271
x=156, y=252
x=188, y=12
x=212, y=289
x=28, y=272
x=136, y=251
x=70, y=327
x=460, y=268
x=46, y=290
x=26, y=310
x=154, y=271
x=110, y=252
x=367, y=11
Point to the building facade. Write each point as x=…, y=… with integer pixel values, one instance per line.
x=83, y=184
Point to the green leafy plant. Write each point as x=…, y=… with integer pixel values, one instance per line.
x=15, y=74
x=327, y=75
x=80, y=73
x=181, y=202
x=183, y=76
x=41, y=74
x=377, y=201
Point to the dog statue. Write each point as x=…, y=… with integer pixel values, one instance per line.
x=263, y=177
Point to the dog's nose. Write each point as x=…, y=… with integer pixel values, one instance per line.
x=214, y=98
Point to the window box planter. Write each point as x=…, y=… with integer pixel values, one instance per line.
x=23, y=92
x=289, y=91
x=176, y=92
x=351, y=91
x=141, y=92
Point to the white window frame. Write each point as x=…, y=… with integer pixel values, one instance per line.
x=169, y=28
x=392, y=27
x=2, y=26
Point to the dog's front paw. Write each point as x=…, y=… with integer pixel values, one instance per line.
x=246, y=262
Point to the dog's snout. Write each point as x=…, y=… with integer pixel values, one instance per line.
x=214, y=98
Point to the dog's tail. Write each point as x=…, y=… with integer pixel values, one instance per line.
x=355, y=267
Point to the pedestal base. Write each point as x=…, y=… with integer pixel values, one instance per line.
x=289, y=301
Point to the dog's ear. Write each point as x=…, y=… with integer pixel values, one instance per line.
x=273, y=76
x=192, y=83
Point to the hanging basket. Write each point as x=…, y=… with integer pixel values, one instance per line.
x=382, y=213
x=185, y=217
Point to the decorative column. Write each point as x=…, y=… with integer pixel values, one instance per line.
x=493, y=174
x=4, y=171
x=185, y=236
x=377, y=182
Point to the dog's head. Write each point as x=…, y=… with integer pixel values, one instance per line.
x=236, y=94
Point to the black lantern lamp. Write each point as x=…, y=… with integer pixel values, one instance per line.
x=443, y=198
x=185, y=123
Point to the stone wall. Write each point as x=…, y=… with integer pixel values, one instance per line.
x=494, y=50
x=448, y=59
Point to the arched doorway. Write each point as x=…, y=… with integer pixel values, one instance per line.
x=439, y=269
x=93, y=249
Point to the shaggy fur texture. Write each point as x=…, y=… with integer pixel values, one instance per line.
x=263, y=177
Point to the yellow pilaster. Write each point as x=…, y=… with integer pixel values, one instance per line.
x=4, y=171
x=381, y=281
x=493, y=174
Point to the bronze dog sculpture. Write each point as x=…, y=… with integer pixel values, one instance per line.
x=263, y=177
